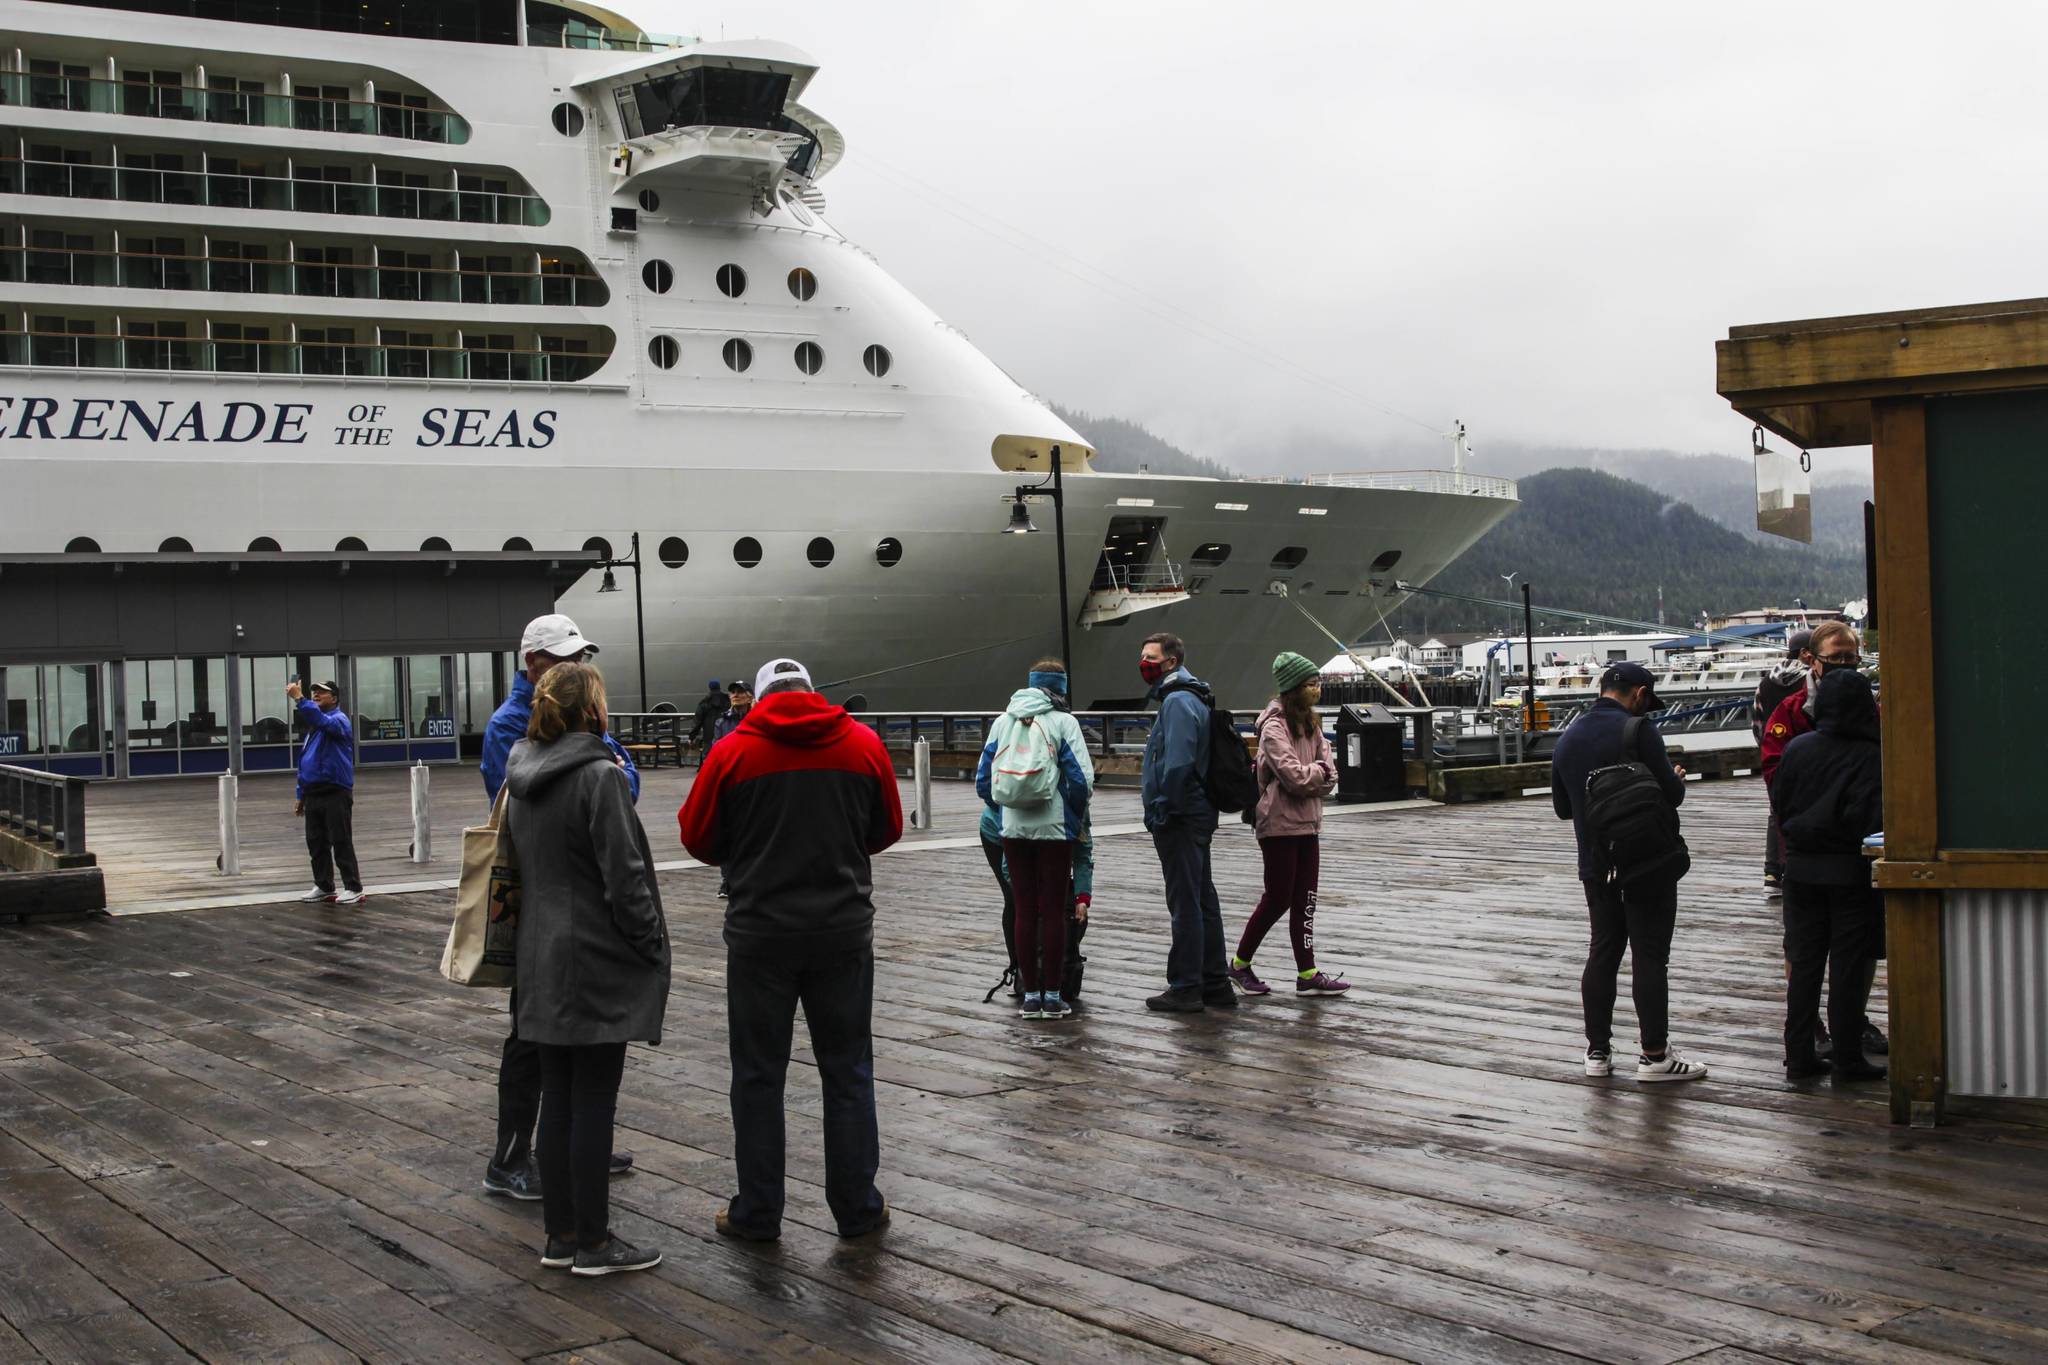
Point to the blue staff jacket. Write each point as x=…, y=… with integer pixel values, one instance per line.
x=329, y=757
x=508, y=727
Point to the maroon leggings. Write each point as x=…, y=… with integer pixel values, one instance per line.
x=1041, y=878
x=1293, y=864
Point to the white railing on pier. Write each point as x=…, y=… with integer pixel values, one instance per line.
x=1408, y=481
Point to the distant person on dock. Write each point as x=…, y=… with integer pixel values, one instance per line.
x=1780, y=683
x=1828, y=797
x=548, y=642
x=1835, y=646
x=1182, y=822
x=327, y=792
x=593, y=956
x=794, y=805
x=1035, y=771
x=713, y=704
x=1296, y=770
x=1633, y=913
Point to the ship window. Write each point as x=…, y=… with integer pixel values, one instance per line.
x=1386, y=561
x=650, y=201
x=674, y=553
x=732, y=281
x=350, y=544
x=1290, y=557
x=518, y=544
x=809, y=358
x=803, y=284
x=431, y=543
x=659, y=276
x=265, y=545
x=82, y=545
x=568, y=119
x=175, y=545
x=1212, y=553
x=738, y=355
x=877, y=359
x=889, y=553
x=599, y=546
x=664, y=351
x=746, y=552
x=819, y=552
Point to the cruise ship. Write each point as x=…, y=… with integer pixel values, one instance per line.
x=382, y=277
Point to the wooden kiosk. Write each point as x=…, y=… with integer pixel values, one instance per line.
x=1954, y=403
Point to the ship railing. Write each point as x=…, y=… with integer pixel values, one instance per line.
x=31, y=263
x=300, y=194
x=1161, y=577
x=414, y=122
x=590, y=38
x=255, y=355
x=1107, y=733
x=1406, y=481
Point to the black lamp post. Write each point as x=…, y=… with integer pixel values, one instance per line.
x=611, y=584
x=1020, y=524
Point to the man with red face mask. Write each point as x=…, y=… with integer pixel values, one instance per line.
x=1182, y=821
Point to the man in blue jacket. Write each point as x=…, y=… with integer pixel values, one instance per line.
x=1182, y=821
x=326, y=792
x=1640, y=916
x=549, y=640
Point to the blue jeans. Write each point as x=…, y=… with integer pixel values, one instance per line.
x=1196, y=961
x=837, y=990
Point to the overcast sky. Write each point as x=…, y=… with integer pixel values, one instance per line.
x=1537, y=218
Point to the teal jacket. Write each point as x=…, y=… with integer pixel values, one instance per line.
x=1066, y=815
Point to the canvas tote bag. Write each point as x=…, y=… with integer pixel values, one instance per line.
x=482, y=939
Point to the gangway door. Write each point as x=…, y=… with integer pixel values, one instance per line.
x=1134, y=573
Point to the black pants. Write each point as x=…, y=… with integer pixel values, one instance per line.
x=837, y=990
x=1639, y=919
x=331, y=837
x=1197, y=959
x=579, y=1094
x=1832, y=932
x=518, y=1094
x=993, y=851
x=1774, y=849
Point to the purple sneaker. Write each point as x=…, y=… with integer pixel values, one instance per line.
x=1246, y=980
x=1322, y=983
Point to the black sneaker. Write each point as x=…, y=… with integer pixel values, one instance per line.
x=1857, y=1069
x=558, y=1254
x=615, y=1257
x=621, y=1164
x=727, y=1228
x=1807, y=1068
x=1223, y=997
x=724, y=891
x=872, y=1226
x=515, y=1182
x=1875, y=1044
x=1176, y=1002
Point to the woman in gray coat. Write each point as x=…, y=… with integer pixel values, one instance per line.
x=593, y=955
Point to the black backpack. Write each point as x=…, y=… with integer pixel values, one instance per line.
x=1630, y=823
x=1229, y=782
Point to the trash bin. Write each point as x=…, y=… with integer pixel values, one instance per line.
x=1370, y=764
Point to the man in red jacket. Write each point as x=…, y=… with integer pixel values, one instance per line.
x=793, y=805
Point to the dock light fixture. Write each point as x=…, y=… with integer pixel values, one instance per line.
x=1020, y=516
x=1054, y=487
x=611, y=584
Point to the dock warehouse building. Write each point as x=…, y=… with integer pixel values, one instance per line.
x=175, y=663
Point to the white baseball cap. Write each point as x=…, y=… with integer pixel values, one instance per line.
x=780, y=671
x=556, y=635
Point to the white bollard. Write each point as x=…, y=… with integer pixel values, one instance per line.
x=422, y=815
x=921, y=783
x=230, y=826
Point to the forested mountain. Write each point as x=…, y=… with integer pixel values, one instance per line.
x=1120, y=447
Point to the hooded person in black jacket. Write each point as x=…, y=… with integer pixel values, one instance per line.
x=1828, y=796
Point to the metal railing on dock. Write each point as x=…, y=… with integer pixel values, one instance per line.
x=44, y=809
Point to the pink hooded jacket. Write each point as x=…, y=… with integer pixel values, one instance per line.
x=1294, y=777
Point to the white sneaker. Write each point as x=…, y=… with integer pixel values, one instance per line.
x=1599, y=1063
x=351, y=897
x=1669, y=1067
x=316, y=894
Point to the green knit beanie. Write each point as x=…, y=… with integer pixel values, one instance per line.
x=1291, y=670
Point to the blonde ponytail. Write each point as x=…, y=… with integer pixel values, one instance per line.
x=564, y=701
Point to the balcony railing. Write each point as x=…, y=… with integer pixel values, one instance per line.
x=1163, y=577
x=1407, y=481
x=312, y=279
x=591, y=38
x=222, y=189
x=307, y=113
x=367, y=360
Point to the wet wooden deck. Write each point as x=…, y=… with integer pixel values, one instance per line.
x=256, y=1134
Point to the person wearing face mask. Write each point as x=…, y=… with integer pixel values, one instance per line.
x=1182, y=822
x=1835, y=646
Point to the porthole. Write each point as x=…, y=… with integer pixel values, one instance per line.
x=658, y=276
x=1291, y=557
x=732, y=281
x=877, y=359
x=664, y=351
x=599, y=546
x=889, y=553
x=175, y=545
x=809, y=358
x=819, y=552
x=803, y=284
x=518, y=544
x=746, y=552
x=86, y=545
x=264, y=545
x=1214, y=552
x=650, y=201
x=568, y=120
x=674, y=553
x=1386, y=561
x=433, y=543
x=350, y=545
x=738, y=355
